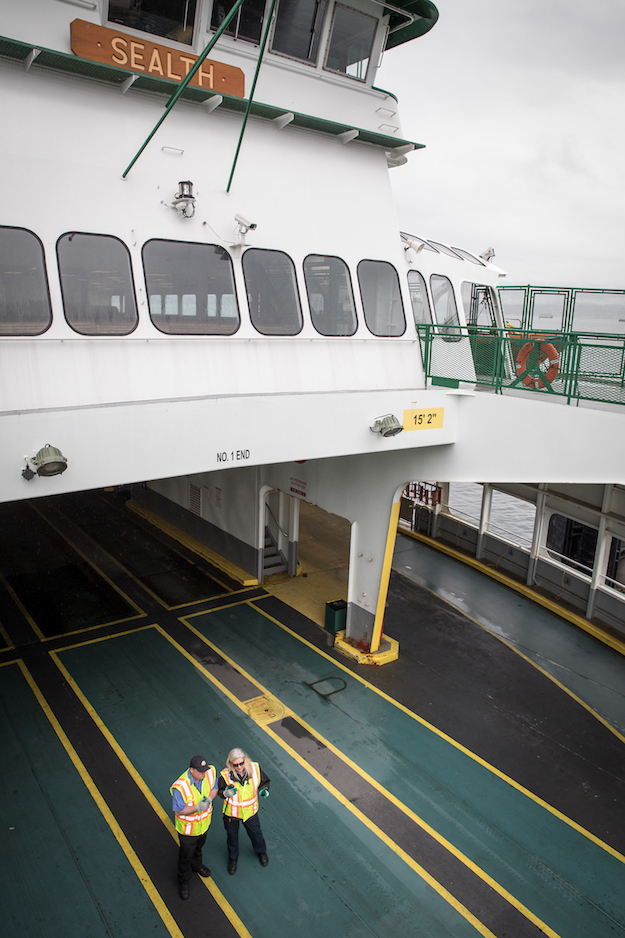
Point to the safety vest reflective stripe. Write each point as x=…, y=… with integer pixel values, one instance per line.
x=194, y=824
x=234, y=806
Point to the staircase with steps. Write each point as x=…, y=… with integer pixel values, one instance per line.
x=273, y=561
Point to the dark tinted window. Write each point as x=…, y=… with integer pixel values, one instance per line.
x=298, y=28
x=381, y=298
x=572, y=542
x=272, y=292
x=24, y=299
x=173, y=19
x=248, y=22
x=330, y=295
x=190, y=288
x=96, y=282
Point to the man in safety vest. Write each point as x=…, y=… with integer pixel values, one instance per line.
x=192, y=802
x=240, y=784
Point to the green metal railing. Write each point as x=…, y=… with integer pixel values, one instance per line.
x=575, y=365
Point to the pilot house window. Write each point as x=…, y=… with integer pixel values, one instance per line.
x=173, y=19
x=248, y=22
x=298, y=28
x=351, y=42
x=191, y=288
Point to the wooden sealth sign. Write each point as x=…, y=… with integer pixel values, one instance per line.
x=99, y=44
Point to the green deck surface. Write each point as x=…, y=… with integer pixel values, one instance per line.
x=568, y=881
x=328, y=873
x=63, y=873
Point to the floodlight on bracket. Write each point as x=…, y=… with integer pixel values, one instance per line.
x=48, y=461
x=388, y=425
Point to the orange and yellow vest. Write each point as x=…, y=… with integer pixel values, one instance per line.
x=244, y=803
x=194, y=824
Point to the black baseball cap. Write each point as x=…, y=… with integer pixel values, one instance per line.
x=199, y=763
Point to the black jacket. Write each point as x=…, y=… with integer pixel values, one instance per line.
x=264, y=782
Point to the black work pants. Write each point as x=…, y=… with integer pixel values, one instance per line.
x=190, y=855
x=252, y=826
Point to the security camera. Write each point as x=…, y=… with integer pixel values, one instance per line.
x=244, y=223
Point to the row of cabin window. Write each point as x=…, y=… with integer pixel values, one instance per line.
x=296, y=31
x=191, y=290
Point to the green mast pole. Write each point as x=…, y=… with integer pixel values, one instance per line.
x=186, y=80
x=251, y=95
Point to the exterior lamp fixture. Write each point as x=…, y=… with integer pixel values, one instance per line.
x=49, y=461
x=184, y=200
x=388, y=425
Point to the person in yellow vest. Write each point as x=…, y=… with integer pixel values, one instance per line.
x=192, y=802
x=240, y=784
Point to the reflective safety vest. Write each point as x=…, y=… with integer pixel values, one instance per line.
x=244, y=803
x=195, y=824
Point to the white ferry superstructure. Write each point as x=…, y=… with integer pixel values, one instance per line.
x=225, y=311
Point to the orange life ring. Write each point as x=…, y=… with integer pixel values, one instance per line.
x=546, y=353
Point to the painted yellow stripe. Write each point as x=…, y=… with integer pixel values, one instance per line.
x=243, y=706
x=512, y=900
x=448, y=739
x=385, y=578
x=7, y=638
x=94, y=566
x=227, y=909
x=419, y=870
x=217, y=895
x=524, y=590
x=22, y=608
x=93, y=790
x=534, y=664
x=232, y=571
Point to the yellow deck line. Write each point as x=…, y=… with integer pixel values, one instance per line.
x=230, y=569
x=22, y=608
x=93, y=566
x=444, y=736
x=521, y=654
x=243, y=707
x=485, y=877
x=216, y=893
x=407, y=859
x=521, y=588
x=104, y=809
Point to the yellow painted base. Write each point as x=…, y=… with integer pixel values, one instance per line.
x=388, y=651
x=234, y=572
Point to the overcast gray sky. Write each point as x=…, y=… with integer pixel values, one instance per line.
x=521, y=106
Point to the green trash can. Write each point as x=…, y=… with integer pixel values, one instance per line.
x=336, y=613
